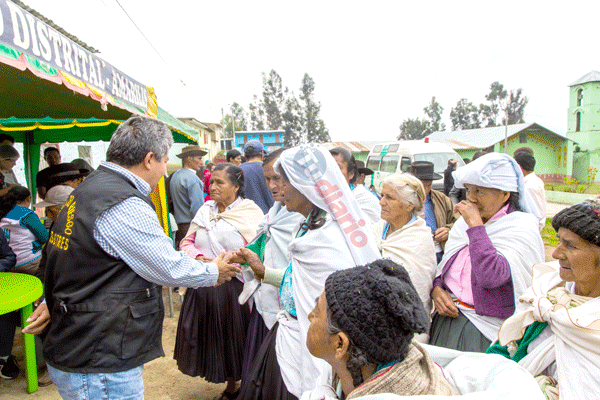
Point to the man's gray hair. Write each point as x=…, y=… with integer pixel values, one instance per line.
x=137, y=137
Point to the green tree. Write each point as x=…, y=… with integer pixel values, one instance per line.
x=292, y=122
x=273, y=100
x=412, y=129
x=504, y=104
x=497, y=99
x=434, y=111
x=314, y=130
x=516, y=106
x=464, y=115
x=234, y=120
x=257, y=115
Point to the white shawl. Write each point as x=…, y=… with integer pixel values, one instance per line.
x=244, y=217
x=368, y=203
x=413, y=247
x=344, y=241
x=314, y=257
x=312, y=170
x=517, y=238
x=575, y=341
x=278, y=225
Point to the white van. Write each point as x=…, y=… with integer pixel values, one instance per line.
x=396, y=157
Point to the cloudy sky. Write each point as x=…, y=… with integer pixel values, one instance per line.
x=374, y=63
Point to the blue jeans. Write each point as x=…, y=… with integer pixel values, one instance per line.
x=126, y=385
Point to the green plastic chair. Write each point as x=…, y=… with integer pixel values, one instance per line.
x=19, y=291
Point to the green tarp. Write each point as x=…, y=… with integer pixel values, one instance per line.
x=32, y=132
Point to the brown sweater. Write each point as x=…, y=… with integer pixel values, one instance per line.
x=442, y=208
x=415, y=375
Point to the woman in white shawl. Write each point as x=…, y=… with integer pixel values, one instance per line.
x=333, y=236
x=403, y=236
x=488, y=256
x=212, y=324
x=556, y=333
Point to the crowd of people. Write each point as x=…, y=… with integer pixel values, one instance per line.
x=298, y=282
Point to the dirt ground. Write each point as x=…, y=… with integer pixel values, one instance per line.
x=162, y=379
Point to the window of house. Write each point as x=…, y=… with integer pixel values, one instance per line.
x=523, y=137
x=577, y=121
x=579, y=97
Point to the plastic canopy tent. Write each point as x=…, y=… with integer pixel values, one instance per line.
x=32, y=132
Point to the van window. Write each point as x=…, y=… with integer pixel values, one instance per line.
x=393, y=148
x=405, y=164
x=377, y=149
x=439, y=160
x=389, y=163
x=373, y=162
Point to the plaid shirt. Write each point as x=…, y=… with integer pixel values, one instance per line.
x=131, y=232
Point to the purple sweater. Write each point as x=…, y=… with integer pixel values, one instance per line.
x=491, y=281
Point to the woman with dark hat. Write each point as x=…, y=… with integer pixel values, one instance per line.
x=363, y=325
x=65, y=174
x=556, y=333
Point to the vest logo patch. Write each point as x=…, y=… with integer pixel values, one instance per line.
x=70, y=204
x=59, y=241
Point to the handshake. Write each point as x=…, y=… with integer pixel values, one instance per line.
x=229, y=263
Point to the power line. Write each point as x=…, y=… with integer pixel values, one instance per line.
x=147, y=40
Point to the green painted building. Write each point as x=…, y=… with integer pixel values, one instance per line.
x=584, y=124
x=550, y=149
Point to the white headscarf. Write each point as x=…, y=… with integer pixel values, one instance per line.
x=496, y=171
x=314, y=173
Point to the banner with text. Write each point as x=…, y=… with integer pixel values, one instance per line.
x=22, y=31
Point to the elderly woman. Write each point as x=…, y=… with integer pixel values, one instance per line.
x=212, y=325
x=489, y=255
x=403, y=235
x=556, y=334
x=332, y=236
x=363, y=326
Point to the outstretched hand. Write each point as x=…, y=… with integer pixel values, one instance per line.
x=227, y=271
x=254, y=262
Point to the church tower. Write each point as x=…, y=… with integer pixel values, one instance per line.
x=584, y=123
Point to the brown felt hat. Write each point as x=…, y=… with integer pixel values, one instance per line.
x=192, y=150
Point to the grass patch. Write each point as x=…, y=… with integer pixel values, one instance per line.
x=549, y=235
x=580, y=188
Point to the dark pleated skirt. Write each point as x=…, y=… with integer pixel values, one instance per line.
x=457, y=333
x=257, y=331
x=264, y=382
x=211, y=333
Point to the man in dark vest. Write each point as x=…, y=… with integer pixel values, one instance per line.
x=107, y=258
